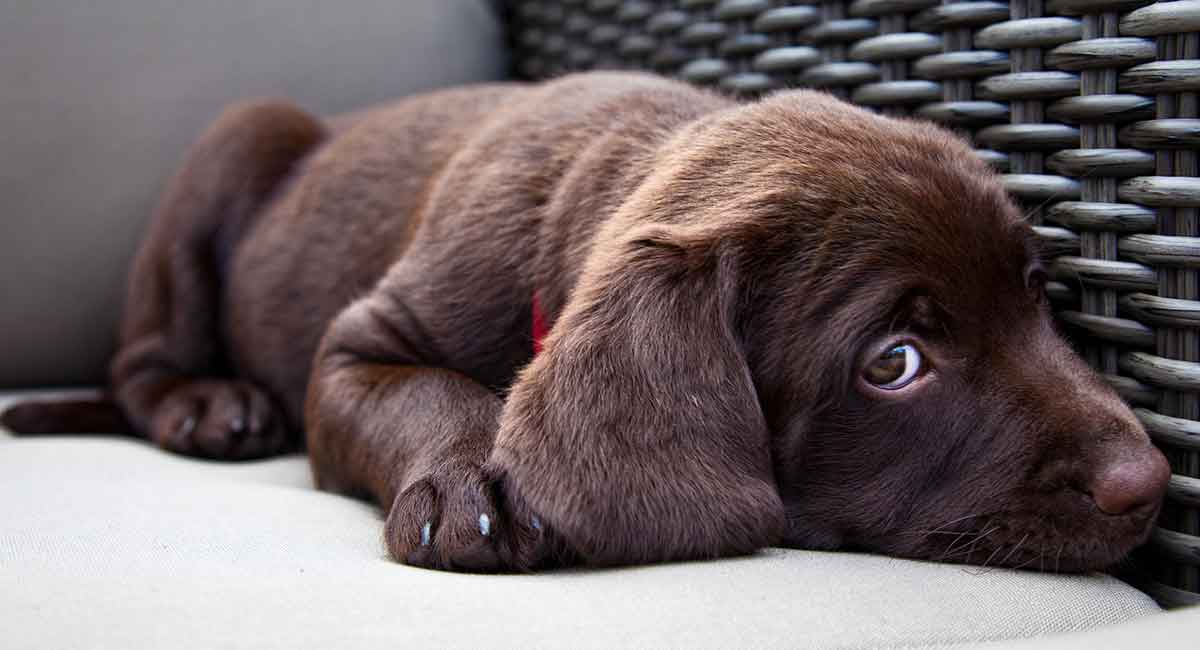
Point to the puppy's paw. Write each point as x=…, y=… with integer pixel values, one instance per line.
x=228, y=420
x=455, y=519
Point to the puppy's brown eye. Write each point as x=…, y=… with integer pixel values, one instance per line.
x=896, y=368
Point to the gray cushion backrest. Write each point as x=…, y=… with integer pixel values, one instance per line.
x=99, y=101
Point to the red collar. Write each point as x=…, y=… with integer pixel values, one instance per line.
x=539, y=325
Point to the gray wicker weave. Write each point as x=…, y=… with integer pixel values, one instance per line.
x=1088, y=107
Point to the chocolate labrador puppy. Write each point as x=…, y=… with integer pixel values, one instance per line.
x=790, y=322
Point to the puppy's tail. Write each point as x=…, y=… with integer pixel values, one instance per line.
x=74, y=416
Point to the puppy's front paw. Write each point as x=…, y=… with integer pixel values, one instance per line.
x=228, y=420
x=456, y=519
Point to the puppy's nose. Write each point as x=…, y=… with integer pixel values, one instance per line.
x=1129, y=484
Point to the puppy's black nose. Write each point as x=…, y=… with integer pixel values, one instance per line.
x=1129, y=484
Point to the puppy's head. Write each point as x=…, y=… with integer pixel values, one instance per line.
x=814, y=324
x=919, y=399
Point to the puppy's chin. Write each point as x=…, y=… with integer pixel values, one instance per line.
x=1032, y=527
x=1067, y=540
x=1070, y=540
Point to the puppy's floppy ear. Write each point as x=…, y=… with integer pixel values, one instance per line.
x=636, y=434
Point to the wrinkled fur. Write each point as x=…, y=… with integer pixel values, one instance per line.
x=715, y=275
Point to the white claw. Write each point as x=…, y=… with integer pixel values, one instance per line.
x=426, y=530
x=188, y=425
x=485, y=525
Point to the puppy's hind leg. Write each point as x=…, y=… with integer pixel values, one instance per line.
x=172, y=376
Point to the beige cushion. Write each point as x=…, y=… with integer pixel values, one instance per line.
x=1177, y=629
x=110, y=543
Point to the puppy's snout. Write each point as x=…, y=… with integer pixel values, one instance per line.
x=1131, y=484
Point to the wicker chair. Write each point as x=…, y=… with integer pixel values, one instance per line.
x=1089, y=108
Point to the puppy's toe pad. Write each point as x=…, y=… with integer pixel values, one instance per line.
x=448, y=521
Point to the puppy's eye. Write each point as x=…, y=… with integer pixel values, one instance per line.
x=896, y=368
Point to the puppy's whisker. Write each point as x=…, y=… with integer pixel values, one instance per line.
x=1015, y=549
x=975, y=539
x=988, y=561
x=942, y=530
x=955, y=521
x=1027, y=562
x=956, y=541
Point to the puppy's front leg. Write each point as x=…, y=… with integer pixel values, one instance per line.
x=382, y=422
x=636, y=434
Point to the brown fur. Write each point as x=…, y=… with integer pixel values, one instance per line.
x=717, y=275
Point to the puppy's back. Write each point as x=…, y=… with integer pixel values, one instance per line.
x=352, y=209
